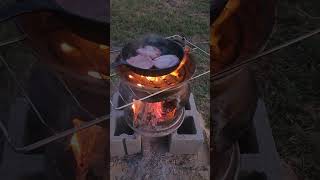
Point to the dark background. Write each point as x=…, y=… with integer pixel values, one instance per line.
x=289, y=83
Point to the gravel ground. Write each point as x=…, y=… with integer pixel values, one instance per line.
x=156, y=164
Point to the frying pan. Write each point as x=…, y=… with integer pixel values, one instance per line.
x=166, y=46
x=89, y=19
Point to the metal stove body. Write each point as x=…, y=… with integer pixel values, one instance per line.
x=157, y=107
x=160, y=114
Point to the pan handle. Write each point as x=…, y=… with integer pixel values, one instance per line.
x=7, y=13
x=181, y=42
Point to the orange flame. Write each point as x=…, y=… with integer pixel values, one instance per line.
x=76, y=148
x=151, y=113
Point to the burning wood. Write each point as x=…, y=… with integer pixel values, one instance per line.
x=151, y=115
x=88, y=147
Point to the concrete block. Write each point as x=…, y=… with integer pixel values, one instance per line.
x=123, y=140
x=117, y=147
x=189, y=136
x=262, y=156
x=132, y=144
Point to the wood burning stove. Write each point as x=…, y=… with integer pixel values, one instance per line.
x=162, y=113
x=155, y=121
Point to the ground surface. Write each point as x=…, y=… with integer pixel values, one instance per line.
x=289, y=84
x=156, y=164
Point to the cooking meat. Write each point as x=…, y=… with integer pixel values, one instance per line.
x=166, y=61
x=140, y=61
x=149, y=51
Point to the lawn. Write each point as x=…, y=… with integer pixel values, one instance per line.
x=133, y=19
x=289, y=84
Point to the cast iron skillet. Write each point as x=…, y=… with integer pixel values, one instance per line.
x=166, y=47
x=90, y=19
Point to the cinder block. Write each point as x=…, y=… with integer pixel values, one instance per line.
x=116, y=146
x=189, y=136
x=265, y=159
x=132, y=143
x=123, y=140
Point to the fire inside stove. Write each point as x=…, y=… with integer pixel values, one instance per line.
x=153, y=114
x=160, y=114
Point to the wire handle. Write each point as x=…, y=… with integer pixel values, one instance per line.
x=257, y=58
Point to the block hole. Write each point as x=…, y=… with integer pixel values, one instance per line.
x=188, y=126
x=122, y=128
x=187, y=106
x=248, y=142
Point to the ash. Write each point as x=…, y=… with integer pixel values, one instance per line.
x=155, y=163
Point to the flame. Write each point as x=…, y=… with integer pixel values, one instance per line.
x=151, y=113
x=155, y=79
x=136, y=108
x=76, y=148
x=75, y=144
x=88, y=147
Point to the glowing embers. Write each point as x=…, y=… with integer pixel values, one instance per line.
x=153, y=115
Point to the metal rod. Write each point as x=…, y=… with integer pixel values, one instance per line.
x=24, y=93
x=13, y=41
x=75, y=99
x=115, y=51
x=161, y=91
x=111, y=103
x=190, y=43
x=64, y=84
x=256, y=58
x=43, y=142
